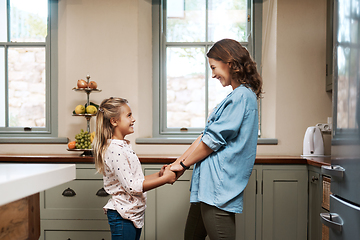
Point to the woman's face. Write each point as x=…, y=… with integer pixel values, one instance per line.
x=221, y=71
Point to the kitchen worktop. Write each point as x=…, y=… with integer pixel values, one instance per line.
x=70, y=158
x=19, y=180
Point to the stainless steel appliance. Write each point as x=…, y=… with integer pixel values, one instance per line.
x=343, y=219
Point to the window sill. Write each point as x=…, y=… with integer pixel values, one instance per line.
x=41, y=140
x=168, y=140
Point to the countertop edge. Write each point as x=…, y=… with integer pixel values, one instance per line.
x=261, y=159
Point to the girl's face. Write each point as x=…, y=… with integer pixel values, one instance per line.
x=124, y=125
x=221, y=71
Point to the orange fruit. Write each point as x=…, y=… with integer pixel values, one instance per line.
x=71, y=145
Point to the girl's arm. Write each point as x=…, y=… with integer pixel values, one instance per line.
x=155, y=180
x=152, y=176
x=200, y=152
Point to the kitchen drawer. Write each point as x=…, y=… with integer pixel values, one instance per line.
x=77, y=235
x=84, y=201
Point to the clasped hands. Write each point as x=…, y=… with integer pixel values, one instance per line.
x=172, y=171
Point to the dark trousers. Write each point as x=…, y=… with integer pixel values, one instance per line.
x=204, y=220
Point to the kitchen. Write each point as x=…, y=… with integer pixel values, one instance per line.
x=120, y=60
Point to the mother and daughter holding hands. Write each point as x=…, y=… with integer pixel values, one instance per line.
x=223, y=155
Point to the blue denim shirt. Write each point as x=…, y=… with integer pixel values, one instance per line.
x=231, y=132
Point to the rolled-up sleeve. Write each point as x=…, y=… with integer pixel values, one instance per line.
x=225, y=124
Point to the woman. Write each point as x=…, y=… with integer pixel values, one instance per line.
x=224, y=154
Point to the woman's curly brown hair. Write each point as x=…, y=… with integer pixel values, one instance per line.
x=242, y=67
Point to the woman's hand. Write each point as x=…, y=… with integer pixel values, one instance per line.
x=176, y=167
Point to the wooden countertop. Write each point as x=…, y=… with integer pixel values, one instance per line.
x=67, y=158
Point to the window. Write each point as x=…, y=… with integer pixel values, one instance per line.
x=28, y=68
x=346, y=73
x=184, y=30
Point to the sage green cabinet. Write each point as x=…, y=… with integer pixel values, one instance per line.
x=74, y=210
x=315, y=203
x=284, y=203
x=275, y=206
x=168, y=206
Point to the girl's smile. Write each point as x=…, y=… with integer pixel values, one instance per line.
x=125, y=124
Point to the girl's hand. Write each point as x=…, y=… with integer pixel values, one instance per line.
x=170, y=175
x=161, y=172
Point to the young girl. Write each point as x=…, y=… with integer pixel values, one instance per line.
x=224, y=153
x=123, y=177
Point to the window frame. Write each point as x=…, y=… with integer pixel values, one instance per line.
x=50, y=132
x=159, y=75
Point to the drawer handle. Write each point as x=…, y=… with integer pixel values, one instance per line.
x=102, y=193
x=332, y=220
x=68, y=192
x=333, y=171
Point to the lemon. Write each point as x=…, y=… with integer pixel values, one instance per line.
x=91, y=109
x=80, y=109
x=92, y=136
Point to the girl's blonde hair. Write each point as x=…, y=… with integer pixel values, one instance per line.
x=108, y=109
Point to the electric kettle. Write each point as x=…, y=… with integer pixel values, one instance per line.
x=313, y=142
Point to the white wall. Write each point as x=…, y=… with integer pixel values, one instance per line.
x=112, y=42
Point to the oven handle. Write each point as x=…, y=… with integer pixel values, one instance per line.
x=333, y=170
x=332, y=220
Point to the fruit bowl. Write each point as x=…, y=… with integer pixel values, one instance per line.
x=84, y=114
x=87, y=89
x=86, y=152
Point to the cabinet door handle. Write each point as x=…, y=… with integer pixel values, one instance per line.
x=332, y=220
x=313, y=178
x=68, y=192
x=101, y=193
x=333, y=171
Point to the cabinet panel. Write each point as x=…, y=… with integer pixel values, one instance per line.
x=77, y=235
x=315, y=194
x=245, y=222
x=85, y=204
x=167, y=209
x=284, y=204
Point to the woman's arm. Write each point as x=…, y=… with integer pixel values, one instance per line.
x=200, y=152
x=183, y=156
x=189, y=150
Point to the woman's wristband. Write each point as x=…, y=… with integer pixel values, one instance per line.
x=183, y=165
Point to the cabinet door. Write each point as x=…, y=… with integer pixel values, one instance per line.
x=167, y=209
x=245, y=222
x=315, y=193
x=168, y=206
x=83, y=201
x=284, y=204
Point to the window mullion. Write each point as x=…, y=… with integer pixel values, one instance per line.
x=6, y=87
x=206, y=68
